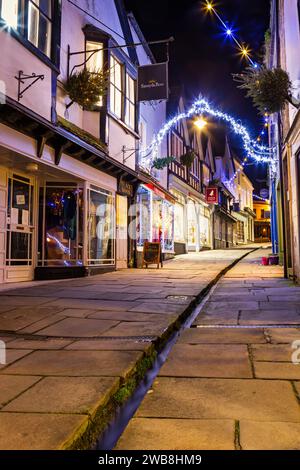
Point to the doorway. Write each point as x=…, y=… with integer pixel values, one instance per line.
x=20, y=228
x=121, y=231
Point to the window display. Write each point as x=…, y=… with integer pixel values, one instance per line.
x=100, y=227
x=61, y=242
x=155, y=219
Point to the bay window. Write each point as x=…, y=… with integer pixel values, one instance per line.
x=130, y=102
x=9, y=12
x=95, y=62
x=32, y=20
x=116, y=88
x=40, y=24
x=122, y=93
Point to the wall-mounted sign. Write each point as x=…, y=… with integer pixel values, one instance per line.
x=125, y=188
x=212, y=195
x=152, y=254
x=153, y=82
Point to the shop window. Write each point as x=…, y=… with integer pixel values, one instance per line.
x=94, y=59
x=179, y=223
x=61, y=216
x=143, y=216
x=101, y=238
x=155, y=220
x=130, y=102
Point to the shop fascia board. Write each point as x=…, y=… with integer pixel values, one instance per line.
x=29, y=123
x=185, y=188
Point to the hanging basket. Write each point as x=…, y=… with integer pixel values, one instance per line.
x=270, y=89
x=86, y=88
x=187, y=159
x=161, y=163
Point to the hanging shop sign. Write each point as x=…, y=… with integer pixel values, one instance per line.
x=212, y=195
x=125, y=188
x=153, y=82
x=152, y=254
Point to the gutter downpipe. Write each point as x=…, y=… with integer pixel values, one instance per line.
x=279, y=149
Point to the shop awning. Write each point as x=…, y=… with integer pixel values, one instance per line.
x=17, y=116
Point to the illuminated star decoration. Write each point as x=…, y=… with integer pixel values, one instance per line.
x=244, y=50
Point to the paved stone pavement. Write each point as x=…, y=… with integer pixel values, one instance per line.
x=229, y=382
x=71, y=344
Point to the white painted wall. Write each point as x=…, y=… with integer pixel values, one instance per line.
x=15, y=57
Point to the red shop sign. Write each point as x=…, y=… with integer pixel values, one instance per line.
x=212, y=195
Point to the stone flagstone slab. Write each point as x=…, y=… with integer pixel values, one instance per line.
x=79, y=327
x=194, y=398
x=222, y=336
x=76, y=363
x=11, y=386
x=65, y=395
x=277, y=370
x=207, y=360
x=269, y=436
x=29, y=431
x=177, y=434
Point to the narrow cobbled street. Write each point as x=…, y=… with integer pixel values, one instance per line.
x=229, y=382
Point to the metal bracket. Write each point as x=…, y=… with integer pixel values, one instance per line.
x=94, y=51
x=21, y=81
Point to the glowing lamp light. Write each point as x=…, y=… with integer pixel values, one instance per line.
x=200, y=123
x=209, y=6
x=245, y=52
x=9, y=13
x=228, y=32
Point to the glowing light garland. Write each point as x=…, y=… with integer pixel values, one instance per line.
x=261, y=198
x=201, y=107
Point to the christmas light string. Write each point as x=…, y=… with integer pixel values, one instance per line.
x=261, y=198
x=244, y=50
x=201, y=107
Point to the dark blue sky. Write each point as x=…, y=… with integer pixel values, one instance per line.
x=201, y=58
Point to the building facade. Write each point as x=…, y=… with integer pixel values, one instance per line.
x=262, y=224
x=285, y=135
x=69, y=175
x=187, y=183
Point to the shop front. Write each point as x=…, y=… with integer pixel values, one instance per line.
x=52, y=224
x=180, y=229
x=198, y=219
x=155, y=219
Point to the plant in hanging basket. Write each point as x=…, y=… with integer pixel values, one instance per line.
x=161, y=163
x=187, y=159
x=270, y=89
x=86, y=88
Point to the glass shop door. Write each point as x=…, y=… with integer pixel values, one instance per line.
x=20, y=228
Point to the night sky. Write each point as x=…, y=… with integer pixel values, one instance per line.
x=202, y=59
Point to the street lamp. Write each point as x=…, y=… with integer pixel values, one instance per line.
x=200, y=123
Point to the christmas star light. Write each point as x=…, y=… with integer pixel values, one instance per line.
x=243, y=50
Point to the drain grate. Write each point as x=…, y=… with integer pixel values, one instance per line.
x=178, y=297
